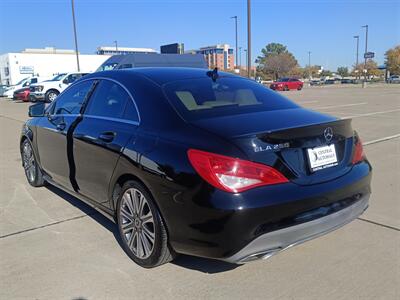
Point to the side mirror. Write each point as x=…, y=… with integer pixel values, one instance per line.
x=37, y=110
x=65, y=81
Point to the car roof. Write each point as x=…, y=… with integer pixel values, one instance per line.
x=159, y=75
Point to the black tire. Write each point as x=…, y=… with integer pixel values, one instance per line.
x=299, y=87
x=161, y=253
x=32, y=171
x=285, y=88
x=51, y=95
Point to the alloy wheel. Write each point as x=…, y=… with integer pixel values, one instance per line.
x=137, y=223
x=52, y=96
x=29, y=162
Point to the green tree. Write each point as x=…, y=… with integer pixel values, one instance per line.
x=276, y=61
x=392, y=60
x=343, y=71
x=371, y=67
x=326, y=73
x=313, y=71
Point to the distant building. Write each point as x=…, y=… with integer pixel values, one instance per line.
x=220, y=56
x=105, y=50
x=48, y=50
x=44, y=63
x=176, y=48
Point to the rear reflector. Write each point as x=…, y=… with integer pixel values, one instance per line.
x=358, y=154
x=231, y=174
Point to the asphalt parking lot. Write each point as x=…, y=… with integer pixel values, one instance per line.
x=52, y=246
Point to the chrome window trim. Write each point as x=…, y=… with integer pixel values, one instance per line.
x=126, y=90
x=111, y=119
x=105, y=118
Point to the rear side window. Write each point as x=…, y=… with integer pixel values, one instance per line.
x=111, y=100
x=204, y=98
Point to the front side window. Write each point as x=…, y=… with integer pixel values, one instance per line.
x=58, y=77
x=203, y=98
x=110, y=100
x=70, y=102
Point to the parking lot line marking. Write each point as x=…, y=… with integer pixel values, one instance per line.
x=379, y=224
x=342, y=105
x=382, y=139
x=12, y=119
x=371, y=114
x=44, y=226
x=306, y=102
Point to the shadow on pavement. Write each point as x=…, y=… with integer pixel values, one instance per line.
x=204, y=265
x=189, y=262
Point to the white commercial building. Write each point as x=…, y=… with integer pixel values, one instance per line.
x=122, y=50
x=45, y=62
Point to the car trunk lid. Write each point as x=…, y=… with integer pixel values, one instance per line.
x=286, y=139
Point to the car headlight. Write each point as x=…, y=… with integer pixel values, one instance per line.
x=38, y=88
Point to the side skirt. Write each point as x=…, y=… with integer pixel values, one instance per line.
x=108, y=213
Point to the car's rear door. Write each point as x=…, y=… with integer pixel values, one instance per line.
x=109, y=122
x=52, y=133
x=292, y=84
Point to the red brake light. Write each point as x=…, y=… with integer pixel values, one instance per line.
x=358, y=154
x=231, y=174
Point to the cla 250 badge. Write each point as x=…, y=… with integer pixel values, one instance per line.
x=273, y=147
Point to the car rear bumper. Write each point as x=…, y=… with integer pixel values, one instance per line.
x=271, y=243
x=219, y=225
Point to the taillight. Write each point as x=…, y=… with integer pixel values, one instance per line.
x=231, y=174
x=358, y=154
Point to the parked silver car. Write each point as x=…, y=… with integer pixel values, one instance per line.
x=394, y=79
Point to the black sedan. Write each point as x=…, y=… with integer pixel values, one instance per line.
x=197, y=162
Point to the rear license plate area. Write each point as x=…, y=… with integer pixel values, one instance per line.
x=322, y=157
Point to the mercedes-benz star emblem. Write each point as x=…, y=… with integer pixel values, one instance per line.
x=328, y=134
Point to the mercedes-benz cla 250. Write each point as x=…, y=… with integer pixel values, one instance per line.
x=197, y=162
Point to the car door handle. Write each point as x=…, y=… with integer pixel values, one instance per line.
x=61, y=126
x=107, y=136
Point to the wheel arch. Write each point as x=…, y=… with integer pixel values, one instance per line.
x=53, y=89
x=116, y=190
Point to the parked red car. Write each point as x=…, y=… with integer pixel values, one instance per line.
x=22, y=94
x=285, y=84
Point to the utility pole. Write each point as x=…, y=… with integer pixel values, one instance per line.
x=358, y=40
x=247, y=61
x=309, y=64
x=76, y=39
x=236, y=39
x=248, y=38
x=365, y=58
x=240, y=58
x=116, y=46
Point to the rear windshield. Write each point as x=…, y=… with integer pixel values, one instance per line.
x=202, y=98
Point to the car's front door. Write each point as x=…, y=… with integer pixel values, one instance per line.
x=52, y=132
x=109, y=122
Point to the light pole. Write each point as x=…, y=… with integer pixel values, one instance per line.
x=116, y=46
x=365, y=58
x=236, y=38
x=309, y=64
x=240, y=58
x=75, y=38
x=357, y=37
x=248, y=38
x=247, y=61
